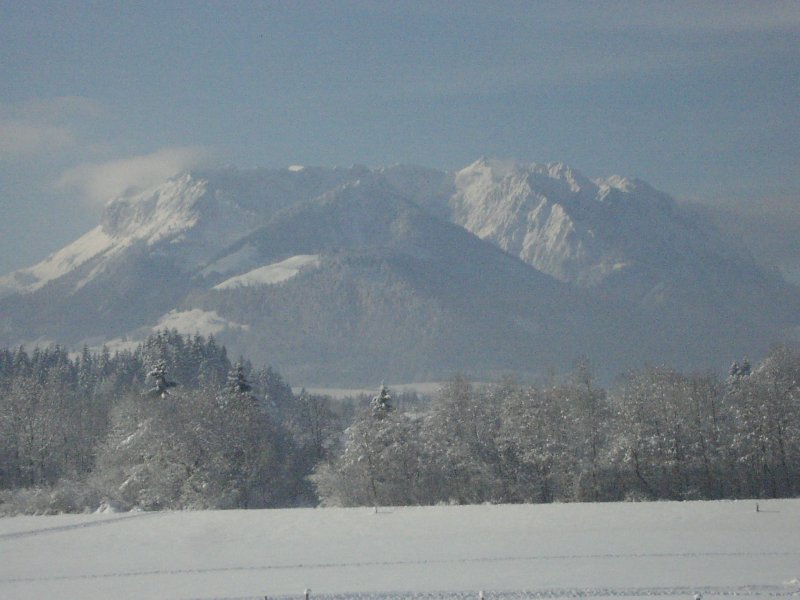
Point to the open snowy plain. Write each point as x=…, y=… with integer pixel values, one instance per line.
x=664, y=549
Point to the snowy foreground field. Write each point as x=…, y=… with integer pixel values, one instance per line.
x=668, y=550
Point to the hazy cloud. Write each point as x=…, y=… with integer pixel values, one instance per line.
x=767, y=227
x=99, y=182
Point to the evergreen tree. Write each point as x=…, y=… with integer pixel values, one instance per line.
x=161, y=385
x=237, y=380
x=381, y=463
x=382, y=403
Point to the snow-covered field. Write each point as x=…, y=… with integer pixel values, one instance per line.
x=665, y=549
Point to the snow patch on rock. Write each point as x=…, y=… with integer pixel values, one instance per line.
x=272, y=273
x=196, y=321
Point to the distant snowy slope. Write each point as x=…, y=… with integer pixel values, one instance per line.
x=187, y=213
x=194, y=321
x=180, y=213
x=396, y=291
x=671, y=550
x=273, y=273
x=90, y=246
x=189, y=219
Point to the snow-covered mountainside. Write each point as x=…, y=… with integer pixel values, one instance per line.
x=91, y=246
x=182, y=214
x=188, y=219
x=571, y=227
x=348, y=275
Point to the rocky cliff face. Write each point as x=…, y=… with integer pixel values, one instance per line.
x=575, y=229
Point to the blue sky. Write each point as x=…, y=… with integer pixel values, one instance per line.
x=702, y=100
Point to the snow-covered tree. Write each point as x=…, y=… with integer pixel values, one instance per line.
x=767, y=425
x=648, y=440
x=158, y=375
x=380, y=464
x=460, y=437
x=382, y=403
x=315, y=426
x=670, y=433
x=589, y=425
x=237, y=382
x=535, y=444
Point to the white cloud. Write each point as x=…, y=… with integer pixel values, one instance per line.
x=99, y=182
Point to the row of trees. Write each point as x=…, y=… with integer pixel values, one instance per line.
x=170, y=424
x=659, y=434
x=174, y=424
x=54, y=408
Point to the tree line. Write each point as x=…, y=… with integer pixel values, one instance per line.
x=173, y=424
x=657, y=434
x=170, y=424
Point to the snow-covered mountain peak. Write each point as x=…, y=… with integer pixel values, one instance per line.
x=555, y=178
x=634, y=189
x=192, y=217
x=157, y=212
x=575, y=181
x=564, y=224
x=614, y=182
x=549, y=215
x=184, y=214
x=365, y=188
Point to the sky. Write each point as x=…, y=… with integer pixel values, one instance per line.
x=700, y=99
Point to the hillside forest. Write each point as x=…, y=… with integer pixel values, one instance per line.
x=175, y=424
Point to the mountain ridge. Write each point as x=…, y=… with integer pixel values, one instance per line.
x=510, y=267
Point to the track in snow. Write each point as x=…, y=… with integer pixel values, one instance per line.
x=83, y=525
x=787, y=591
x=388, y=563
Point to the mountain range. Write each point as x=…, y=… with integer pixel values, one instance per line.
x=347, y=276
